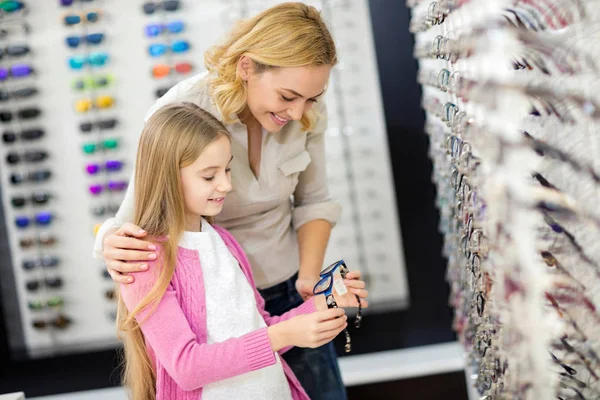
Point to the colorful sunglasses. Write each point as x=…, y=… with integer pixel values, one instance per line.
x=111, y=186
x=97, y=59
x=59, y=322
x=17, y=94
x=68, y=3
x=159, y=49
x=15, y=71
x=29, y=156
x=37, y=198
x=162, y=70
x=74, y=19
x=52, y=302
x=92, y=82
x=25, y=135
x=44, y=261
x=24, y=113
x=42, y=218
x=44, y=239
x=109, y=166
x=167, y=5
x=100, y=102
x=14, y=51
x=10, y=6
x=86, y=127
x=107, y=144
x=153, y=30
x=40, y=175
x=92, y=38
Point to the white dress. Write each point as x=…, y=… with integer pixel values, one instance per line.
x=231, y=311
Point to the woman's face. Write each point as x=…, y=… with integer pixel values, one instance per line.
x=279, y=95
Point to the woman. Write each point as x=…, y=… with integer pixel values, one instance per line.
x=265, y=82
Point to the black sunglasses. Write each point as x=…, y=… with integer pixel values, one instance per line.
x=37, y=176
x=150, y=8
x=6, y=116
x=104, y=124
x=29, y=156
x=17, y=94
x=25, y=135
x=37, y=198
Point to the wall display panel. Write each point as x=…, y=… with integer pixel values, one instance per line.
x=76, y=80
x=510, y=91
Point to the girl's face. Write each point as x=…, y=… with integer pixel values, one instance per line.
x=279, y=95
x=206, y=182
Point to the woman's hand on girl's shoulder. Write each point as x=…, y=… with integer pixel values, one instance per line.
x=125, y=252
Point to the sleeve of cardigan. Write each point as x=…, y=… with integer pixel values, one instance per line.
x=192, y=364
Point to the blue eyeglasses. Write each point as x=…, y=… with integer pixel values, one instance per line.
x=325, y=287
x=92, y=38
x=153, y=30
x=97, y=59
x=159, y=49
x=43, y=218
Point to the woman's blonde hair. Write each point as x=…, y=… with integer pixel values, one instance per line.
x=286, y=35
x=172, y=139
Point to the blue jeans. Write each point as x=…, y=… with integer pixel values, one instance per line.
x=316, y=369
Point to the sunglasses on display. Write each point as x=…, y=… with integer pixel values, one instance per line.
x=107, y=144
x=44, y=239
x=6, y=116
x=160, y=92
x=91, y=38
x=36, y=176
x=160, y=49
x=68, y=3
x=162, y=70
x=10, y=6
x=150, y=8
x=111, y=186
x=175, y=27
x=37, y=198
x=42, y=219
x=29, y=156
x=15, y=71
x=100, y=102
x=97, y=59
x=75, y=19
x=59, y=322
x=44, y=262
x=25, y=135
x=14, y=51
x=100, y=211
x=92, y=82
x=109, y=166
x=17, y=94
x=86, y=127
x=52, y=302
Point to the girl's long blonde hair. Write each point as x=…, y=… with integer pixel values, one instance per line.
x=286, y=35
x=173, y=138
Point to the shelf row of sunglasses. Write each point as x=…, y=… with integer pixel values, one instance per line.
x=94, y=59
x=149, y=7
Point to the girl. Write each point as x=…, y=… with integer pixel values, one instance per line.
x=194, y=325
x=265, y=82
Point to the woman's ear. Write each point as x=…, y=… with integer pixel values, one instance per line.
x=244, y=67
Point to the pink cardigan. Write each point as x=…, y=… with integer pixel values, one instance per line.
x=175, y=332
